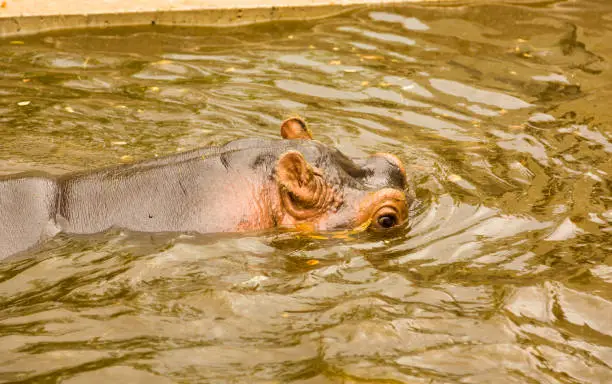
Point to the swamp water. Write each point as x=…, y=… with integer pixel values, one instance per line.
x=502, y=114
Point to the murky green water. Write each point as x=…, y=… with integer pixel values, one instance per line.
x=502, y=113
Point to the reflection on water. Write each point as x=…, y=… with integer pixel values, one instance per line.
x=503, y=115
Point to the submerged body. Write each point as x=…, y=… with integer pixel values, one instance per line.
x=246, y=185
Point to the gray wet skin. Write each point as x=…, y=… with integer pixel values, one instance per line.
x=232, y=188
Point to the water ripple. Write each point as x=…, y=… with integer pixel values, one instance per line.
x=500, y=113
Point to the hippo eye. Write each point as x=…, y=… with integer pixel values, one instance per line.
x=387, y=221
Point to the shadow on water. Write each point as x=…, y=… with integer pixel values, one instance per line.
x=502, y=113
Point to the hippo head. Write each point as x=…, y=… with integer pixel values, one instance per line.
x=321, y=188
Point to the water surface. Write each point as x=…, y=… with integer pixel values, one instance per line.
x=503, y=115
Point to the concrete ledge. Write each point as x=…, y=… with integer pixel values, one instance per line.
x=25, y=17
x=27, y=25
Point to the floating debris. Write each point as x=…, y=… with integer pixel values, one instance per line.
x=69, y=109
x=312, y=262
x=23, y=103
x=372, y=57
x=127, y=158
x=17, y=42
x=317, y=237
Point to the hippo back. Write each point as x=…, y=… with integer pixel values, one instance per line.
x=27, y=212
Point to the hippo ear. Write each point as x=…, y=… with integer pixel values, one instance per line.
x=303, y=191
x=295, y=128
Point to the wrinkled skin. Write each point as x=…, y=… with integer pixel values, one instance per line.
x=245, y=185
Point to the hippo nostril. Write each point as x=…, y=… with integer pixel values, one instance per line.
x=385, y=170
x=392, y=159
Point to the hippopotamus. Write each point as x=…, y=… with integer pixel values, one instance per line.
x=246, y=185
